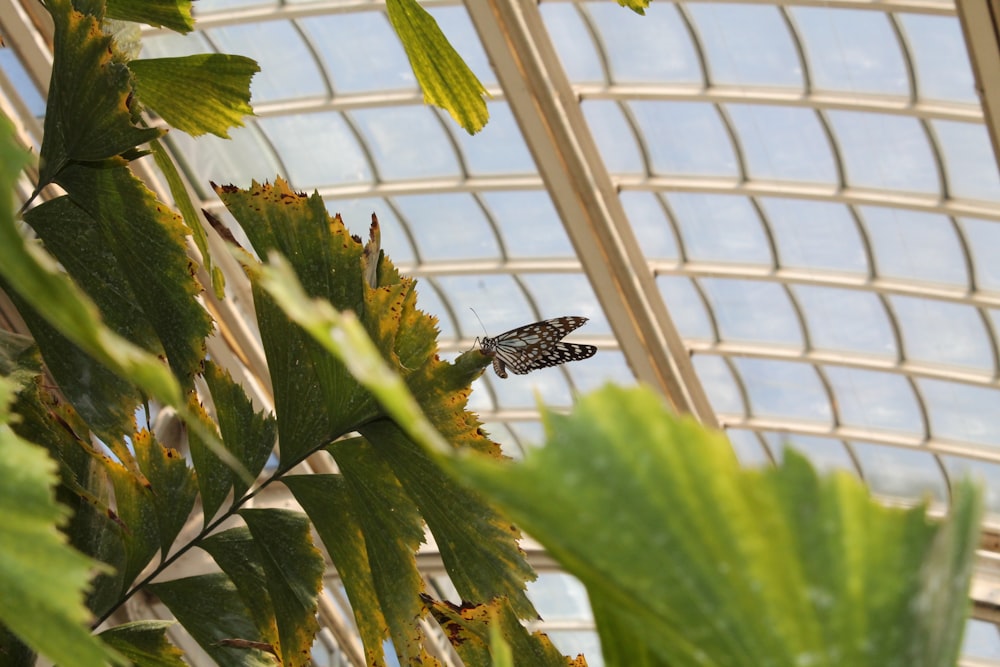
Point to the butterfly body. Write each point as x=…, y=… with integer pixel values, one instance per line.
x=536, y=345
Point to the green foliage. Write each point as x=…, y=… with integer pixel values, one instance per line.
x=198, y=94
x=446, y=80
x=689, y=559
x=42, y=578
x=109, y=294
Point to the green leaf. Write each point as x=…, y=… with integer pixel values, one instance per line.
x=214, y=478
x=446, y=80
x=42, y=580
x=477, y=544
x=173, y=14
x=172, y=485
x=293, y=568
x=207, y=92
x=488, y=634
x=144, y=643
x=36, y=276
x=237, y=554
x=148, y=243
x=315, y=397
x=136, y=511
x=210, y=609
x=393, y=531
x=181, y=198
x=330, y=506
x=249, y=435
x=88, y=117
x=711, y=564
x=637, y=6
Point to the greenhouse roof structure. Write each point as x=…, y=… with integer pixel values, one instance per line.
x=782, y=215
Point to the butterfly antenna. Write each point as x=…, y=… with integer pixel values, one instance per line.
x=476, y=342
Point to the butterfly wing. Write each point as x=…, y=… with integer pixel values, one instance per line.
x=537, y=345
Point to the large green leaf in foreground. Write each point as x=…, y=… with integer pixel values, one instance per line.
x=41, y=577
x=691, y=560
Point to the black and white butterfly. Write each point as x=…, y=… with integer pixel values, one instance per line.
x=535, y=346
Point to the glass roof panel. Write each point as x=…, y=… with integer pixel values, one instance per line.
x=968, y=158
x=815, y=235
x=912, y=245
x=687, y=138
x=558, y=294
x=523, y=392
x=885, y=152
x=573, y=41
x=455, y=24
x=356, y=213
x=750, y=451
x=172, y=45
x=987, y=474
x=826, y=454
x=528, y=223
x=497, y=149
x=245, y=156
x=605, y=366
x=753, y=311
x=406, y=142
x=940, y=57
x=981, y=640
x=649, y=221
x=720, y=228
x=22, y=83
x=208, y=6
x=360, y=52
x=748, y=45
x=874, y=400
x=287, y=73
x=448, y=227
x=655, y=48
x=783, y=143
x=961, y=412
x=784, y=390
x=497, y=298
x=559, y=597
x=317, y=149
x=614, y=137
x=687, y=308
x=983, y=241
x=720, y=385
x=852, y=50
x=846, y=320
x=940, y=332
x=897, y=472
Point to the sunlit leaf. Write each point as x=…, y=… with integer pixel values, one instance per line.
x=207, y=92
x=173, y=14
x=444, y=77
x=707, y=563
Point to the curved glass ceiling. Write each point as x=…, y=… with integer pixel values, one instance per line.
x=784, y=216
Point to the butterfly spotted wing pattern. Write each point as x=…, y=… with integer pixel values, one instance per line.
x=537, y=345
